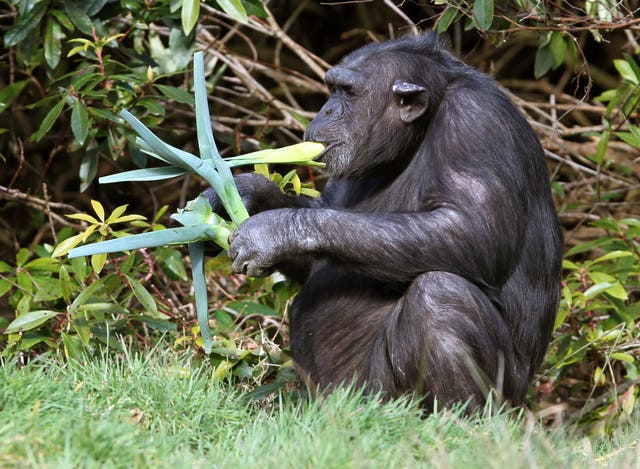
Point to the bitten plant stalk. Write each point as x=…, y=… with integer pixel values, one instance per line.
x=199, y=222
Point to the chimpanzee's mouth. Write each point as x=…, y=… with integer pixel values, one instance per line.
x=328, y=146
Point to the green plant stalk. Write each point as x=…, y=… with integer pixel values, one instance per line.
x=196, y=252
x=229, y=197
x=293, y=154
x=171, y=155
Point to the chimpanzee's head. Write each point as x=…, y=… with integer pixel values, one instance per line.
x=382, y=96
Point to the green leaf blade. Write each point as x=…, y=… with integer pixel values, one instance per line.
x=235, y=9
x=52, y=47
x=189, y=14
x=483, y=13
x=206, y=142
x=49, y=120
x=10, y=92
x=221, y=177
x=25, y=25
x=196, y=252
x=185, y=234
x=446, y=19
x=147, y=174
x=159, y=147
x=143, y=296
x=79, y=122
x=29, y=321
x=177, y=94
x=543, y=61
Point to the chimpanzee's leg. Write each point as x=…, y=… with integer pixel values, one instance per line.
x=447, y=340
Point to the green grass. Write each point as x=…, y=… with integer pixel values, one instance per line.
x=158, y=411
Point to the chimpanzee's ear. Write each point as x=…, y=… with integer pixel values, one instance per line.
x=412, y=99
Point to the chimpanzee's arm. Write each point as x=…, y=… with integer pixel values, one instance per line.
x=387, y=246
x=259, y=194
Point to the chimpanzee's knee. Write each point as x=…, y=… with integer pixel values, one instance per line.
x=447, y=340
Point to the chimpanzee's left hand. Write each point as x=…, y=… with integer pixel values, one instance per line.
x=261, y=242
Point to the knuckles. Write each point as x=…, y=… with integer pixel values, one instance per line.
x=250, y=250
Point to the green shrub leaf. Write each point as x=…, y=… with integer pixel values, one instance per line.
x=483, y=13
x=544, y=61
x=49, y=120
x=79, y=122
x=613, y=288
x=5, y=286
x=236, y=10
x=10, y=92
x=30, y=320
x=626, y=71
x=78, y=16
x=446, y=19
x=255, y=8
x=26, y=24
x=144, y=297
x=52, y=48
x=177, y=94
x=189, y=14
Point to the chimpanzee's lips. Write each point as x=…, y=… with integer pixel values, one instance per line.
x=328, y=146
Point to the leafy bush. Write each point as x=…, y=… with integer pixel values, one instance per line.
x=76, y=309
x=594, y=358
x=594, y=361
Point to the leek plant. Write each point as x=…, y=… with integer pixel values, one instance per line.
x=199, y=222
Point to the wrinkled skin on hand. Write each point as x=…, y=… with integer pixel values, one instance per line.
x=279, y=239
x=257, y=245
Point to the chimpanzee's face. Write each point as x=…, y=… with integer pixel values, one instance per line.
x=370, y=117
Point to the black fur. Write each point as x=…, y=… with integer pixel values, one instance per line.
x=431, y=263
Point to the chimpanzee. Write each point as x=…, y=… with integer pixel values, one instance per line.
x=431, y=263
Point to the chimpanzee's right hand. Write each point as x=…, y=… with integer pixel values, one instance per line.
x=255, y=190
